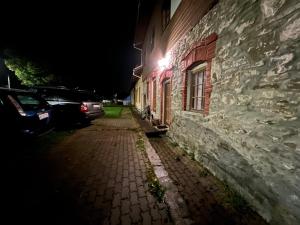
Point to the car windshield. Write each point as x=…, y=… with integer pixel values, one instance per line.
x=59, y=95
x=29, y=102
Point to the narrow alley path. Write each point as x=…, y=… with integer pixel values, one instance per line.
x=98, y=175
x=101, y=166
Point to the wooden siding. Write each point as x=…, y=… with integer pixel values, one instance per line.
x=187, y=15
x=185, y=18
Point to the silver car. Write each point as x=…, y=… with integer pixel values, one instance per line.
x=91, y=104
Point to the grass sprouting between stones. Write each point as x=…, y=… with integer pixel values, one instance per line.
x=231, y=197
x=203, y=172
x=140, y=143
x=155, y=188
x=235, y=199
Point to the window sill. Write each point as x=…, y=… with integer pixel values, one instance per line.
x=192, y=114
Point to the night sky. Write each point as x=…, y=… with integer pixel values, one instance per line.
x=87, y=43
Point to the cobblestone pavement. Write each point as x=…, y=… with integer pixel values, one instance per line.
x=98, y=175
x=111, y=172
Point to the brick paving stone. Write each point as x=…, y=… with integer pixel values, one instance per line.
x=135, y=214
x=139, y=181
x=104, y=173
x=138, y=172
x=146, y=218
x=132, y=177
x=132, y=186
x=125, y=173
x=111, y=183
x=92, y=196
x=115, y=216
x=144, y=204
x=125, y=182
x=125, y=193
x=144, y=177
x=116, y=200
x=118, y=187
x=101, y=189
x=133, y=198
x=125, y=220
x=150, y=198
x=125, y=204
x=99, y=202
x=155, y=214
x=141, y=191
x=108, y=196
x=131, y=168
x=164, y=215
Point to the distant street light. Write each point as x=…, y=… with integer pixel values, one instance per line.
x=8, y=81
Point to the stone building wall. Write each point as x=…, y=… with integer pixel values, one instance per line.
x=250, y=138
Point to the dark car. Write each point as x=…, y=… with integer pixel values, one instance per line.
x=66, y=108
x=24, y=112
x=71, y=106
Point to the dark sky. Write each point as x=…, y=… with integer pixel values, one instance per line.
x=87, y=43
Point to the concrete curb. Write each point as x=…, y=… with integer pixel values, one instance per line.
x=173, y=199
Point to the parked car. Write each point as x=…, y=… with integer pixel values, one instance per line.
x=91, y=104
x=24, y=112
x=71, y=106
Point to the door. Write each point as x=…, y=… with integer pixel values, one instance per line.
x=167, y=103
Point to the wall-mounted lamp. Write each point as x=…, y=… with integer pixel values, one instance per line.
x=164, y=62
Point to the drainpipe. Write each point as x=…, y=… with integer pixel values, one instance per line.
x=141, y=52
x=141, y=63
x=134, y=44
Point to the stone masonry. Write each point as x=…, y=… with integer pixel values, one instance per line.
x=250, y=137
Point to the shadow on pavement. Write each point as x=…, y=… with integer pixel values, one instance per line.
x=28, y=194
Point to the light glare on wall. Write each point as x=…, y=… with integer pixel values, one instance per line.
x=164, y=62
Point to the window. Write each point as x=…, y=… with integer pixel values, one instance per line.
x=195, y=92
x=154, y=96
x=165, y=13
x=196, y=80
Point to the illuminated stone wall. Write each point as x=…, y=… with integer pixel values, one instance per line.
x=250, y=137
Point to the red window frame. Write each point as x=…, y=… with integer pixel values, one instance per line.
x=202, y=51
